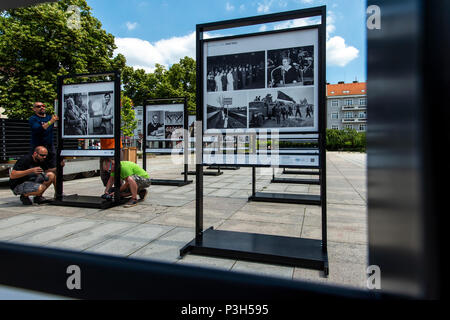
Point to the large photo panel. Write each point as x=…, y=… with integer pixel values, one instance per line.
x=88, y=110
x=283, y=94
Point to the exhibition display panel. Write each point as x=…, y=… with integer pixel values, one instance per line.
x=259, y=96
x=88, y=110
x=164, y=127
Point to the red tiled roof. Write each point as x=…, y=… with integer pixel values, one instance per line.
x=346, y=89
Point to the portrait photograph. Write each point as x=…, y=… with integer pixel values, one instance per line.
x=101, y=114
x=155, y=126
x=75, y=115
x=290, y=67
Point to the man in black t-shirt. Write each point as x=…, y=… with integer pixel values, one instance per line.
x=31, y=176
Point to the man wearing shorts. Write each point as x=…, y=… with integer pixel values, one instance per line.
x=31, y=176
x=136, y=180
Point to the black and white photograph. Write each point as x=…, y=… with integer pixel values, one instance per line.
x=173, y=118
x=88, y=110
x=174, y=132
x=236, y=72
x=290, y=67
x=101, y=114
x=282, y=108
x=155, y=127
x=227, y=111
x=75, y=114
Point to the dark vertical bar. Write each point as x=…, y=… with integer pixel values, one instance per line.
x=186, y=140
x=253, y=181
x=59, y=168
x=322, y=124
x=199, y=139
x=117, y=137
x=144, y=140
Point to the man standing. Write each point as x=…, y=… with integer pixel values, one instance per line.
x=136, y=181
x=31, y=176
x=42, y=132
x=107, y=117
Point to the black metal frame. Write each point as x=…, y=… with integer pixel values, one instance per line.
x=168, y=182
x=89, y=201
x=256, y=247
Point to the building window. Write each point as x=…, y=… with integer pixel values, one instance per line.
x=349, y=102
x=362, y=102
x=362, y=127
x=332, y=92
x=335, y=127
x=334, y=103
x=139, y=123
x=139, y=111
x=363, y=90
x=345, y=91
x=362, y=115
x=335, y=115
x=348, y=126
x=348, y=115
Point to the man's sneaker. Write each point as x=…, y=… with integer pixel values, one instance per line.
x=130, y=203
x=40, y=200
x=26, y=200
x=143, y=194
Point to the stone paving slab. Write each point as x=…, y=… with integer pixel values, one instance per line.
x=157, y=228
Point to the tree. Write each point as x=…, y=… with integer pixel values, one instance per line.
x=38, y=43
x=127, y=116
x=178, y=81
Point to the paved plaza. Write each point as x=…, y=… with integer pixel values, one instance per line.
x=157, y=228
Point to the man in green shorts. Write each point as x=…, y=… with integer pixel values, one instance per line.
x=136, y=180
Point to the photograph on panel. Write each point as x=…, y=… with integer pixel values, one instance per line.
x=101, y=114
x=232, y=72
x=173, y=118
x=290, y=67
x=226, y=111
x=174, y=132
x=75, y=113
x=155, y=127
x=283, y=108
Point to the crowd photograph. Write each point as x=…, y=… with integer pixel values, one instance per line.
x=236, y=72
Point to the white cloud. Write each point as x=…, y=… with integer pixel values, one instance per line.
x=264, y=7
x=338, y=53
x=296, y=23
x=242, y=7
x=229, y=7
x=143, y=54
x=263, y=28
x=131, y=25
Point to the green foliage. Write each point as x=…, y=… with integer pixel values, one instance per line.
x=178, y=81
x=37, y=45
x=346, y=140
x=129, y=123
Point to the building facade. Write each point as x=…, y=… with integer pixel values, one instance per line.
x=347, y=106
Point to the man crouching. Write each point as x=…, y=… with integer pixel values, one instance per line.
x=136, y=180
x=30, y=176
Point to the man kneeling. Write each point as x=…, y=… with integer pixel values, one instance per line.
x=30, y=176
x=136, y=180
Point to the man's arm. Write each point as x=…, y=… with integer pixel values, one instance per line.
x=16, y=174
x=109, y=184
x=46, y=125
x=36, y=126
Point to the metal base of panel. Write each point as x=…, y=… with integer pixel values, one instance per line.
x=177, y=183
x=308, y=199
x=205, y=173
x=94, y=202
x=296, y=181
x=224, y=167
x=289, y=251
x=302, y=172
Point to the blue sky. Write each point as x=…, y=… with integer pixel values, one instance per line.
x=163, y=31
